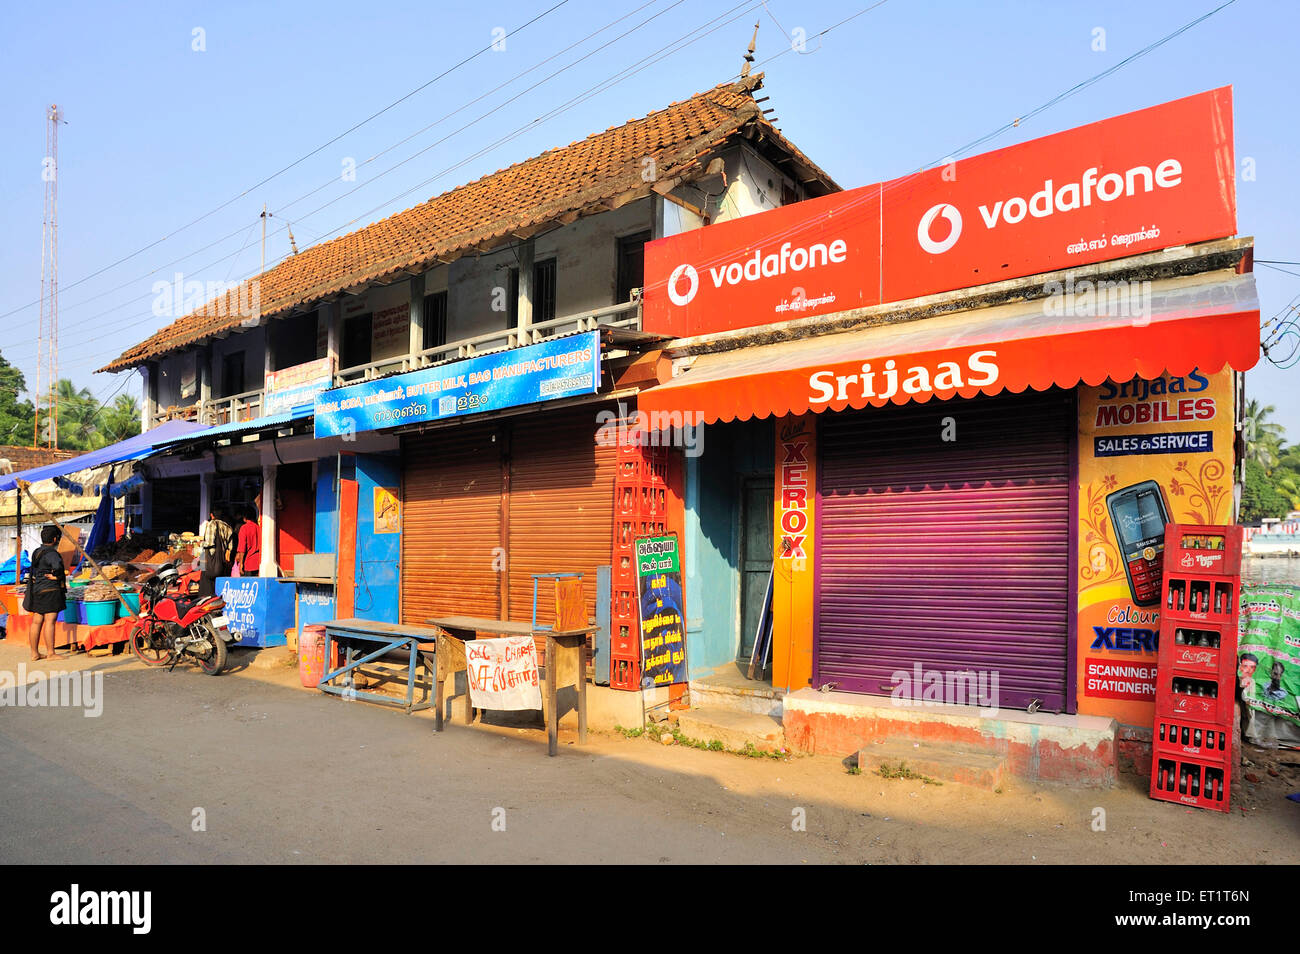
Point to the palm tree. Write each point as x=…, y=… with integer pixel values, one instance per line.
x=1263, y=437
x=121, y=419
x=78, y=411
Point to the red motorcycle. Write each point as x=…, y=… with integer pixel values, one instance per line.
x=173, y=625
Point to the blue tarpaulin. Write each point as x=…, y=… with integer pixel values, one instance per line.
x=7, y=568
x=102, y=530
x=133, y=448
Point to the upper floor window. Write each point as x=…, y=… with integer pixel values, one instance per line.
x=356, y=341
x=543, y=292
x=631, y=265
x=232, y=373
x=435, y=320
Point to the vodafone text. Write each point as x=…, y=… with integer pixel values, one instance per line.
x=789, y=258
x=945, y=376
x=1051, y=199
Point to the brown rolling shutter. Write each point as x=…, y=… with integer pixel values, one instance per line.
x=452, y=495
x=561, y=506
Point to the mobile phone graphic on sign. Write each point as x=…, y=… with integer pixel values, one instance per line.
x=1138, y=514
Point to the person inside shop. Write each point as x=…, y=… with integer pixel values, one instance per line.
x=215, y=556
x=248, y=552
x=46, y=594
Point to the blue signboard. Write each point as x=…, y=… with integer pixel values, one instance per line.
x=559, y=368
x=258, y=608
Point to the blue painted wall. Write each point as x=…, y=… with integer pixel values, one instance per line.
x=326, y=538
x=378, y=580
x=732, y=452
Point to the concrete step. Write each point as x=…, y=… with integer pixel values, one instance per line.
x=731, y=692
x=733, y=729
x=962, y=764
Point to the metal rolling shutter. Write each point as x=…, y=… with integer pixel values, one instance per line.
x=954, y=555
x=452, y=497
x=561, y=506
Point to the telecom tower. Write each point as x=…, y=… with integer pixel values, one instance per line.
x=47, y=345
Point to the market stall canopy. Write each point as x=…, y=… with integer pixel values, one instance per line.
x=133, y=448
x=1203, y=321
x=270, y=422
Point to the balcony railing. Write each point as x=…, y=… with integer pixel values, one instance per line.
x=250, y=405
x=623, y=315
x=236, y=407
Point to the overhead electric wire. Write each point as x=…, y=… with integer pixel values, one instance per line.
x=334, y=179
x=618, y=78
x=297, y=161
x=671, y=48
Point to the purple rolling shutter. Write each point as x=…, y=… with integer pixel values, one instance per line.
x=953, y=555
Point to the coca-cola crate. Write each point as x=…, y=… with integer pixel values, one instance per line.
x=1198, y=698
x=1203, y=549
x=623, y=642
x=1197, y=649
x=1188, y=781
x=1199, y=598
x=624, y=673
x=1179, y=739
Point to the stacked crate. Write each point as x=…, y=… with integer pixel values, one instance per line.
x=640, y=510
x=1192, y=741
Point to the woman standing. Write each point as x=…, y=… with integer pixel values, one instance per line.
x=46, y=592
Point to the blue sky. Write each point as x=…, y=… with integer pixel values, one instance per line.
x=159, y=134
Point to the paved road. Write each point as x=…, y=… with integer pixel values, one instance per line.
x=283, y=775
x=288, y=776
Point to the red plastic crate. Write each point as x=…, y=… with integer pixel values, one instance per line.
x=1198, y=649
x=624, y=673
x=1192, y=706
x=1188, y=781
x=1179, y=739
x=1199, y=598
x=1203, y=550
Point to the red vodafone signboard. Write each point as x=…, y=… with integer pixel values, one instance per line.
x=1143, y=181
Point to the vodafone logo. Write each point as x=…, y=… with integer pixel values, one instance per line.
x=693, y=284
x=950, y=213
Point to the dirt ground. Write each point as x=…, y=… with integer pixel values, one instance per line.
x=278, y=774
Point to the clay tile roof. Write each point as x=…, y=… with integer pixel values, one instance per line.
x=599, y=172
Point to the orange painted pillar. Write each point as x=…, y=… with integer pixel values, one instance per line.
x=794, y=514
x=345, y=586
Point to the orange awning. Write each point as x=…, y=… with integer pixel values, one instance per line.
x=1148, y=328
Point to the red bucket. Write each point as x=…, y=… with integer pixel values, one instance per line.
x=311, y=656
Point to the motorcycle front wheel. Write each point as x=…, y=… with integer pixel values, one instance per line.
x=215, y=660
x=148, y=643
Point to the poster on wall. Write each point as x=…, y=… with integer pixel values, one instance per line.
x=300, y=384
x=663, y=613
x=1268, y=650
x=1150, y=453
x=388, y=510
x=390, y=331
x=503, y=673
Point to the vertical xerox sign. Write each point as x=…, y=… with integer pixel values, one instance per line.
x=1134, y=183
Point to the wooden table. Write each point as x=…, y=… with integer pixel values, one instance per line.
x=565, y=664
x=389, y=636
